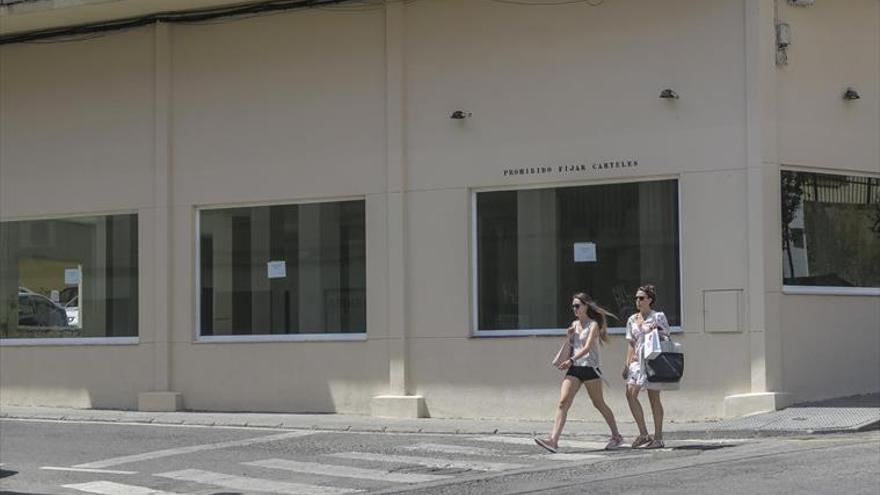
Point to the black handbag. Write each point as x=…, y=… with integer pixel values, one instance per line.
x=667, y=367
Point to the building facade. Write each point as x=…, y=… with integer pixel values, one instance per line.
x=384, y=207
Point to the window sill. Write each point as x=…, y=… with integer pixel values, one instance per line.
x=549, y=332
x=303, y=337
x=830, y=291
x=65, y=341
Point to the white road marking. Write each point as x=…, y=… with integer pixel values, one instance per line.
x=86, y=470
x=451, y=449
x=250, y=485
x=154, y=425
x=580, y=444
x=568, y=457
x=111, y=488
x=429, y=461
x=188, y=450
x=345, y=471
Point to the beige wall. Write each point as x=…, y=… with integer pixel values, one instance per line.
x=58, y=97
x=575, y=84
x=300, y=107
x=834, y=45
x=76, y=137
x=273, y=110
x=830, y=344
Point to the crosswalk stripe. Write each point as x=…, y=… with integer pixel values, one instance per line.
x=249, y=485
x=111, y=488
x=451, y=449
x=568, y=457
x=580, y=444
x=85, y=470
x=190, y=449
x=345, y=471
x=429, y=461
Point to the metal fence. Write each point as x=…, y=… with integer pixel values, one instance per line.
x=839, y=189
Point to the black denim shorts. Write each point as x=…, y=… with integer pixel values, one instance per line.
x=583, y=373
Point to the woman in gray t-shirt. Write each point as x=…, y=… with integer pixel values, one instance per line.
x=585, y=334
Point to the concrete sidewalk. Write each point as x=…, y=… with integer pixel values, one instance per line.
x=848, y=414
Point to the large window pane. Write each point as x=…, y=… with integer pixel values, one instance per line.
x=830, y=230
x=283, y=269
x=537, y=247
x=70, y=277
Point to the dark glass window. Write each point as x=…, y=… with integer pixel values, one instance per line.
x=69, y=277
x=830, y=230
x=537, y=247
x=286, y=269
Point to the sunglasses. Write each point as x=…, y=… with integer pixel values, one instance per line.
x=575, y=306
x=640, y=298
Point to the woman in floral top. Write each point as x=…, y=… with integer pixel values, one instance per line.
x=645, y=321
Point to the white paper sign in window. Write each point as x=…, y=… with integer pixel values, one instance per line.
x=276, y=269
x=585, y=252
x=71, y=276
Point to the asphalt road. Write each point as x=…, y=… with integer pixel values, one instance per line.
x=52, y=457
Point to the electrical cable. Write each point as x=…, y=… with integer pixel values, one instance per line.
x=220, y=15
x=190, y=16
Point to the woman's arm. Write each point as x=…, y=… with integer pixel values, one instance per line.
x=630, y=350
x=569, y=332
x=661, y=323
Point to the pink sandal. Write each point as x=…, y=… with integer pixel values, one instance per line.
x=615, y=442
x=547, y=444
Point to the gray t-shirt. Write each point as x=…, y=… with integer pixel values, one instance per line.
x=579, y=341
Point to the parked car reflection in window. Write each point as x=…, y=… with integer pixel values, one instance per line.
x=37, y=310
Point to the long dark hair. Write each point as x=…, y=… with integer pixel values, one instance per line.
x=597, y=313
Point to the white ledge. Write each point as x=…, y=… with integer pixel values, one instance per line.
x=69, y=341
x=549, y=331
x=831, y=291
x=287, y=337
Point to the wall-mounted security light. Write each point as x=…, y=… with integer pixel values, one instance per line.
x=783, y=35
x=668, y=94
x=851, y=94
x=460, y=115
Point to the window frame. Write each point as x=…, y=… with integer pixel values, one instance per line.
x=81, y=341
x=821, y=290
x=531, y=332
x=198, y=338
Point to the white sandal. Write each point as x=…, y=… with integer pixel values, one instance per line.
x=641, y=440
x=655, y=444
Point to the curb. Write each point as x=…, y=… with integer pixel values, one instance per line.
x=710, y=433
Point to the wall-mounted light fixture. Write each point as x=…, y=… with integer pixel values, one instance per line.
x=460, y=115
x=668, y=94
x=783, y=40
x=851, y=94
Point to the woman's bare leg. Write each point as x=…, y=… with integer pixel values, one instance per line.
x=594, y=389
x=657, y=412
x=632, y=397
x=570, y=386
